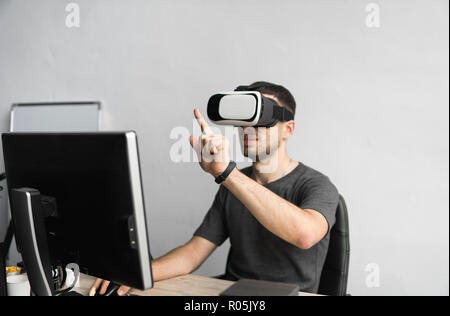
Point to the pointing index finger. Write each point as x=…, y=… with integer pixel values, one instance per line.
x=204, y=126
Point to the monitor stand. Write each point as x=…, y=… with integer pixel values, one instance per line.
x=30, y=210
x=31, y=239
x=4, y=250
x=2, y=270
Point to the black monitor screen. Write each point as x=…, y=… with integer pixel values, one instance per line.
x=95, y=180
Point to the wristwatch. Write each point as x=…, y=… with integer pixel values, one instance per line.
x=226, y=173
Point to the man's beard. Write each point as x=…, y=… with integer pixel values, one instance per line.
x=259, y=152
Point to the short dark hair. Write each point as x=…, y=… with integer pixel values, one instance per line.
x=281, y=93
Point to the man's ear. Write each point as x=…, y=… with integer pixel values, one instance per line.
x=288, y=129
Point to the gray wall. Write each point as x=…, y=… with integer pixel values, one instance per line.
x=373, y=106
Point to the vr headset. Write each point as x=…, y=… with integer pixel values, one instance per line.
x=246, y=107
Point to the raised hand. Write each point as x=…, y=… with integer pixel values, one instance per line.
x=213, y=151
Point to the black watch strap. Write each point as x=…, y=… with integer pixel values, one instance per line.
x=226, y=173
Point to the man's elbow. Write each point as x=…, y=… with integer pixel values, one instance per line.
x=306, y=242
x=308, y=238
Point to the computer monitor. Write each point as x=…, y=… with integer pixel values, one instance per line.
x=86, y=190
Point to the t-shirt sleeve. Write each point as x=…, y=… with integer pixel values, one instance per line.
x=320, y=195
x=214, y=227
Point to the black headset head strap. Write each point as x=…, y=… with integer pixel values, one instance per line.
x=282, y=114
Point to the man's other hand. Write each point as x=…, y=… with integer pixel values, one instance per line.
x=102, y=285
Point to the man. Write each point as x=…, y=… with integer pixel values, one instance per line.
x=278, y=222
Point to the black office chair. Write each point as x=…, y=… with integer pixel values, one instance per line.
x=333, y=281
x=334, y=277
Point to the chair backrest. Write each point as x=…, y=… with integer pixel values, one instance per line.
x=335, y=270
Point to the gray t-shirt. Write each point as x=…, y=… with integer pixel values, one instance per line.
x=255, y=252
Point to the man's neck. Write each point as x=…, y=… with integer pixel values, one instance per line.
x=274, y=167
